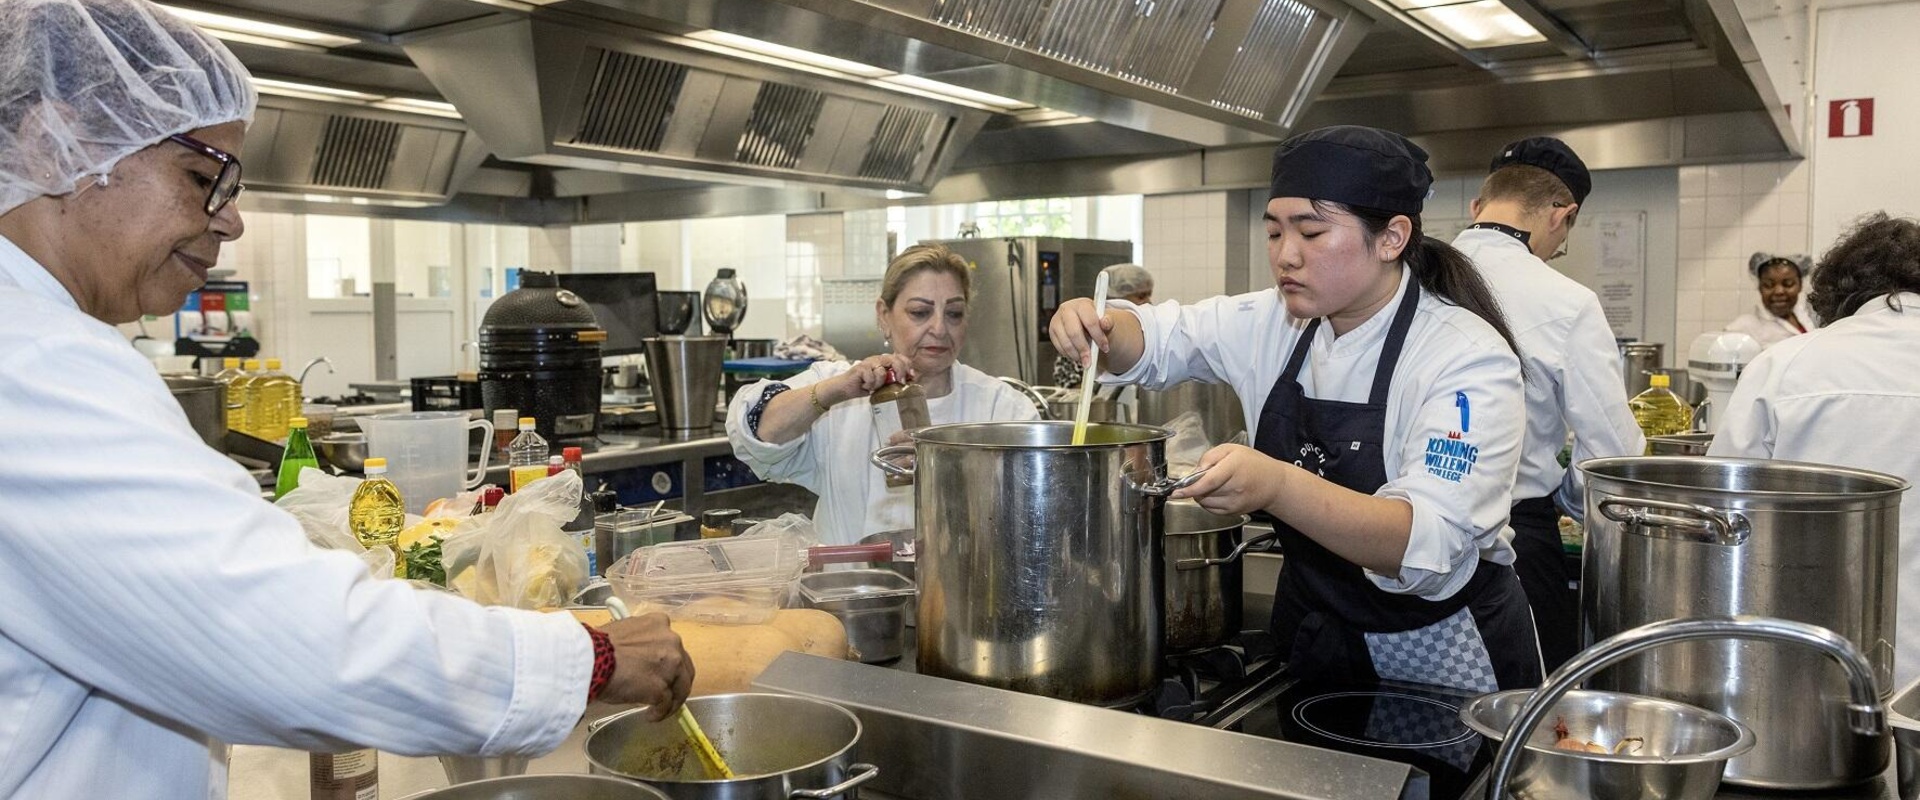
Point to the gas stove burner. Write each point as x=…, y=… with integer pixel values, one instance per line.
x=1387, y=720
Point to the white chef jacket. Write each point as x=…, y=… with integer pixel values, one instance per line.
x=155, y=606
x=1457, y=381
x=830, y=459
x=1770, y=330
x=1572, y=365
x=1844, y=394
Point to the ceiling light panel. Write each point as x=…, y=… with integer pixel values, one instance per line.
x=219, y=24
x=787, y=54
x=1479, y=24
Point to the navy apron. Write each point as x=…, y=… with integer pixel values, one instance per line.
x=1549, y=577
x=1330, y=620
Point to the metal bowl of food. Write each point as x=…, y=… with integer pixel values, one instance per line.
x=1614, y=746
x=347, y=451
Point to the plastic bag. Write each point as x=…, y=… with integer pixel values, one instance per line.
x=320, y=504
x=1188, y=444
x=518, y=555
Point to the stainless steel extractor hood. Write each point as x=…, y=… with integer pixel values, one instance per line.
x=314, y=148
x=566, y=94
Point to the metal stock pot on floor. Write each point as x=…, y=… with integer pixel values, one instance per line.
x=1040, y=561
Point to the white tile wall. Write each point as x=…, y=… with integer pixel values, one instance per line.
x=1727, y=213
x=1184, y=244
x=816, y=248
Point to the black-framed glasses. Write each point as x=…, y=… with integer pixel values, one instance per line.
x=226, y=184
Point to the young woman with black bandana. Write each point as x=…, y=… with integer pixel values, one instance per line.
x=1388, y=418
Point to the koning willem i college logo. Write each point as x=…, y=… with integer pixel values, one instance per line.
x=1452, y=458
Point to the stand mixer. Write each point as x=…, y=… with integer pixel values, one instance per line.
x=1715, y=359
x=724, y=303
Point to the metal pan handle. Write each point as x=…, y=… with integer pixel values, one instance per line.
x=1203, y=563
x=880, y=459
x=1684, y=521
x=864, y=773
x=596, y=725
x=1166, y=486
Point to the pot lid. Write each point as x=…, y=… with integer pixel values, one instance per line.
x=539, y=303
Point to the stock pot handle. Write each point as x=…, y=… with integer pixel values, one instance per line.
x=1203, y=563
x=880, y=456
x=1710, y=526
x=1166, y=486
x=865, y=773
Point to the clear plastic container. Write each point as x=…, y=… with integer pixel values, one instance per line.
x=737, y=580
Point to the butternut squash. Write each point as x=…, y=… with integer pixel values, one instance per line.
x=726, y=658
x=818, y=632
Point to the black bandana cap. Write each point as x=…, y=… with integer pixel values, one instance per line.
x=1552, y=155
x=1354, y=166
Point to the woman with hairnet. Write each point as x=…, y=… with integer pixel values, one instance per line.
x=156, y=606
x=1782, y=311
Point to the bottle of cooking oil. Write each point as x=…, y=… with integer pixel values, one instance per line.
x=1659, y=411
x=276, y=400
x=240, y=397
x=898, y=406
x=526, y=456
x=376, y=514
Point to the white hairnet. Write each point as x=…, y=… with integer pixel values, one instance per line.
x=85, y=83
x=1127, y=280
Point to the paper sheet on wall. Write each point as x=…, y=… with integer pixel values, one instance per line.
x=1620, y=273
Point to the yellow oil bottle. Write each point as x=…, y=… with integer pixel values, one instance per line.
x=376, y=514
x=240, y=396
x=1659, y=411
x=276, y=399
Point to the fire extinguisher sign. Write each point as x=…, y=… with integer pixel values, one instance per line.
x=1850, y=118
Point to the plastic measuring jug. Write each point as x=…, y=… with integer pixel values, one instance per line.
x=426, y=453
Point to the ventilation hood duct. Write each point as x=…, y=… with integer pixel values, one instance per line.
x=307, y=147
x=1205, y=72
x=606, y=97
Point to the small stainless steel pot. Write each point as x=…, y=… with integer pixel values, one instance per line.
x=1203, y=602
x=778, y=746
x=205, y=402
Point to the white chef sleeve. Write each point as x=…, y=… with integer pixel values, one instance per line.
x=1749, y=426
x=1594, y=399
x=1457, y=462
x=789, y=462
x=1206, y=341
x=146, y=565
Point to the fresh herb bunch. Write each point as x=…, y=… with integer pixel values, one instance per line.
x=423, y=562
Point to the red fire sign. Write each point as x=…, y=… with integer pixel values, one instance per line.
x=1849, y=118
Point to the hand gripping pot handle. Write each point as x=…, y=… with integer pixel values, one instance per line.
x=862, y=774
x=1685, y=521
x=881, y=458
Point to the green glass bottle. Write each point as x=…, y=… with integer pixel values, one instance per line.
x=298, y=455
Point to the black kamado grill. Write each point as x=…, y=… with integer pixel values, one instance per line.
x=540, y=354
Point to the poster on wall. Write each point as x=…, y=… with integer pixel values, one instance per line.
x=1620, y=275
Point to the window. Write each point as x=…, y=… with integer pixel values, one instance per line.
x=339, y=257
x=1051, y=216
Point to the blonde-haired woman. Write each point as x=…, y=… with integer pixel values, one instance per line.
x=816, y=429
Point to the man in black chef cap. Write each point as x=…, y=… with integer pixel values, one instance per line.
x=1527, y=207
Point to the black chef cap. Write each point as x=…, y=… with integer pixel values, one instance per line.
x=1553, y=156
x=1355, y=166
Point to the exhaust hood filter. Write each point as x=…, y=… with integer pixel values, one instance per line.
x=1155, y=44
x=1257, y=78
x=630, y=101
x=897, y=144
x=354, y=153
x=781, y=125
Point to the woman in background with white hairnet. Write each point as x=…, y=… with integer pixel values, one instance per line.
x=1782, y=311
x=156, y=606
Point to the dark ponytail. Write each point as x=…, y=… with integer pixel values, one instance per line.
x=1439, y=267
